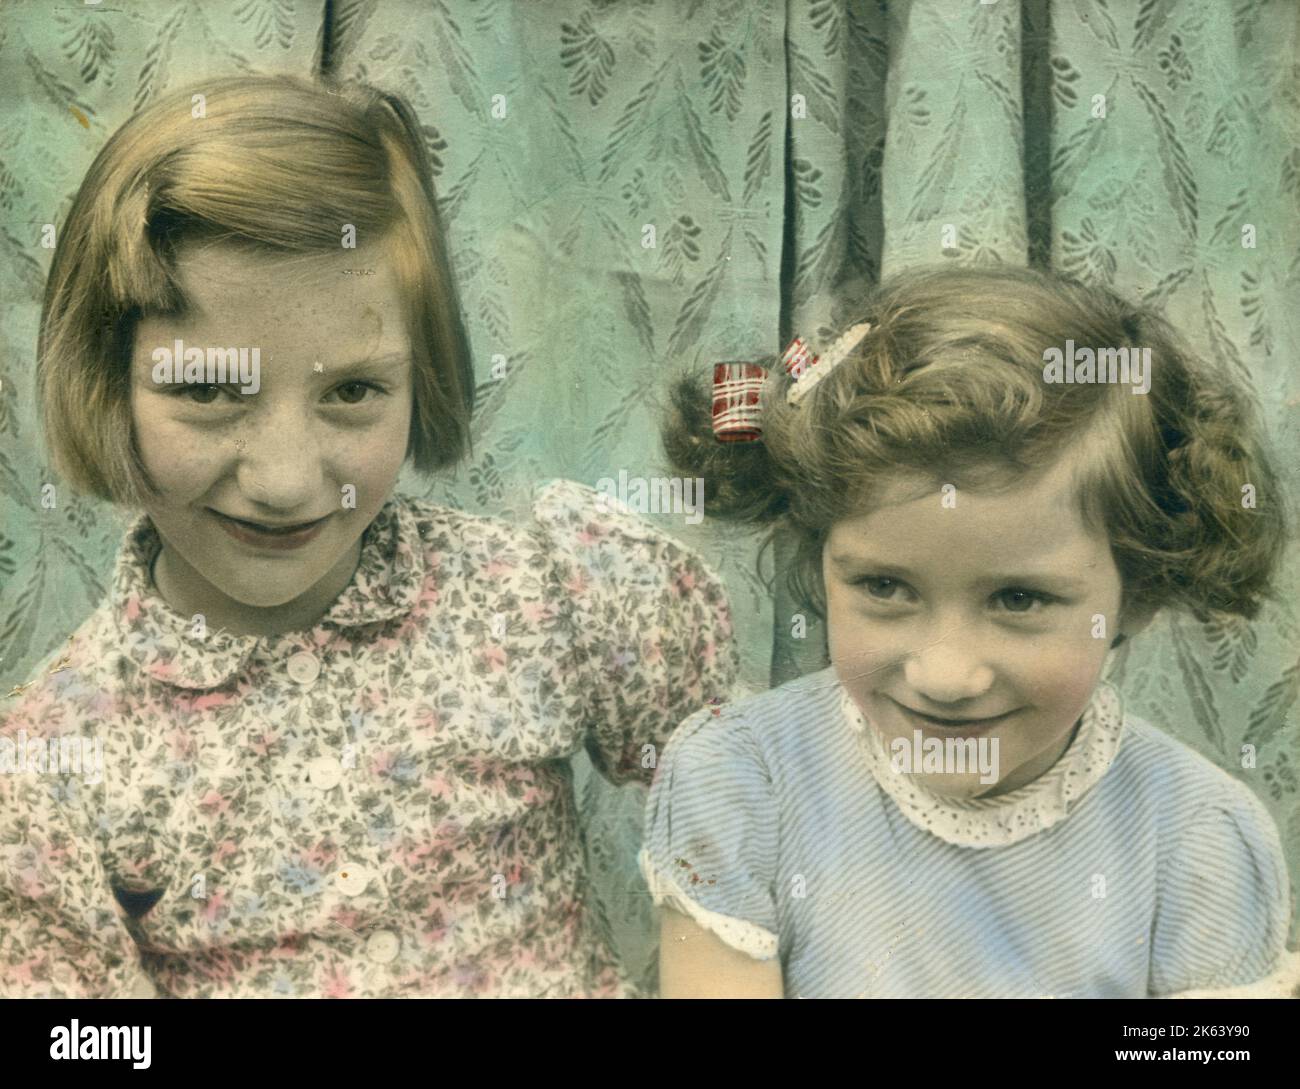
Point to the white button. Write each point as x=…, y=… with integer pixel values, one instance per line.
x=382, y=946
x=350, y=880
x=303, y=667
x=324, y=773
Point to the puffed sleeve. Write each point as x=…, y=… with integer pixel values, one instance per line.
x=651, y=625
x=1224, y=902
x=61, y=935
x=711, y=843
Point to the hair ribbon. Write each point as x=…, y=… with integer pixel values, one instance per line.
x=738, y=387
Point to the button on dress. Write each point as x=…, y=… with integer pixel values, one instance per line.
x=380, y=806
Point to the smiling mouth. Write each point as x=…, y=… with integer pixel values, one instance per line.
x=262, y=527
x=952, y=723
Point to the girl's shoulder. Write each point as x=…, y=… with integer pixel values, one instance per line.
x=74, y=676
x=1223, y=903
x=561, y=514
x=1164, y=759
x=592, y=551
x=1177, y=783
x=780, y=727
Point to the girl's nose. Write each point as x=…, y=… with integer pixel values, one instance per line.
x=948, y=670
x=281, y=468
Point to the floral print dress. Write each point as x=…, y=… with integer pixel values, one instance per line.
x=380, y=806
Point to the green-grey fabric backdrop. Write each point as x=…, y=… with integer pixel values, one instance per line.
x=785, y=154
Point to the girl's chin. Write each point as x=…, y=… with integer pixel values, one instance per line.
x=958, y=788
x=260, y=595
x=269, y=603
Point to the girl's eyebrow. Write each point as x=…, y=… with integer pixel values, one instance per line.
x=1062, y=582
x=384, y=360
x=843, y=562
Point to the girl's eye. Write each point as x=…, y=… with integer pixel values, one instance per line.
x=1022, y=601
x=199, y=395
x=353, y=393
x=882, y=589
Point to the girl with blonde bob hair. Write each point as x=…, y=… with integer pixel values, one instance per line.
x=330, y=722
x=278, y=164
x=960, y=805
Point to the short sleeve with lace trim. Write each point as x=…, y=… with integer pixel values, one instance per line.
x=712, y=835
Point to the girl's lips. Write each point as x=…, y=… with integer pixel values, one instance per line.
x=965, y=725
x=288, y=537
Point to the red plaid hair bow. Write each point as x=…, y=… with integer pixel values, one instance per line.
x=738, y=387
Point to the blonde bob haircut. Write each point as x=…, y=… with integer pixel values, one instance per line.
x=278, y=165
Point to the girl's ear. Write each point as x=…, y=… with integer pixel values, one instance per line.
x=1133, y=618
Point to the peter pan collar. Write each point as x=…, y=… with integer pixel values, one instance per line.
x=1019, y=814
x=164, y=644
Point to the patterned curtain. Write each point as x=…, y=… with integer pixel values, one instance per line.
x=637, y=189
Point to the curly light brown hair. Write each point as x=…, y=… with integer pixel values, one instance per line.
x=949, y=385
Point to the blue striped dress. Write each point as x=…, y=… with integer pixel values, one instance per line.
x=767, y=825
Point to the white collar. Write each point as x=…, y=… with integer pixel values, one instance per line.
x=1019, y=814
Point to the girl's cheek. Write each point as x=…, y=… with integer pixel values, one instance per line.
x=840, y=635
x=174, y=450
x=1064, y=671
x=860, y=650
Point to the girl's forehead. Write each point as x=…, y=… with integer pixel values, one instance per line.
x=1055, y=485
x=282, y=332
x=204, y=267
x=233, y=292
x=970, y=548
x=1026, y=514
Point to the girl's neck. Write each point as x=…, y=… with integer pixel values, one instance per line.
x=1037, y=767
x=189, y=594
